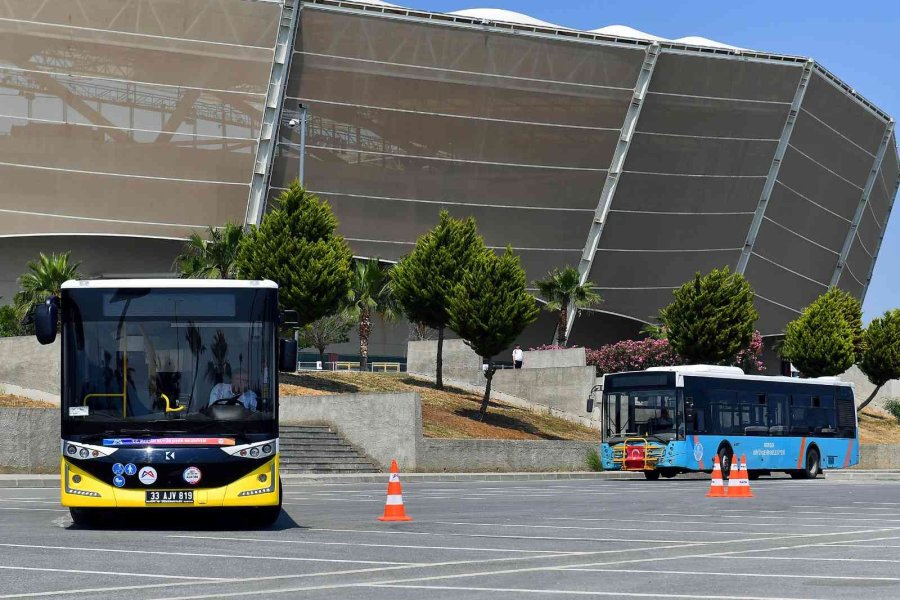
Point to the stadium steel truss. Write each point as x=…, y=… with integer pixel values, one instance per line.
x=636, y=159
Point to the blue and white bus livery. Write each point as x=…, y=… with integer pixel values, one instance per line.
x=670, y=420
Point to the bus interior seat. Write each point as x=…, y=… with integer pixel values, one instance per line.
x=756, y=430
x=778, y=430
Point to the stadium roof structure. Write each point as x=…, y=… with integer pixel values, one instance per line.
x=640, y=159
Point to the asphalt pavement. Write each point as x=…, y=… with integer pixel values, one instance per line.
x=818, y=539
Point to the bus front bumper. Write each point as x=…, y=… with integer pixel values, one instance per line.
x=247, y=491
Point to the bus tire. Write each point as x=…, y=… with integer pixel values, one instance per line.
x=725, y=455
x=753, y=475
x=813, y=468
x=85, y=517
x=651, y=475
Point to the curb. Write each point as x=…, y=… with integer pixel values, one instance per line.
x=853, y=475
x=51, y=481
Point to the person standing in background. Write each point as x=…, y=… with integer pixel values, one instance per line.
x=518, y=356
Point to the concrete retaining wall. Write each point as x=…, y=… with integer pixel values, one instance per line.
x=460, y=362
x=384, y=426
x=863, y=387
x=504, y=455
x=561, y=388
x=35, y=446
x=879, y=456
x=543, y=359
x=29, y=369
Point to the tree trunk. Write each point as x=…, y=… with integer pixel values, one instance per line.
x=869, y=399
x=365, y=326
x=489, y=375
x=322, y=355
x=439, y=374
x=563, y=323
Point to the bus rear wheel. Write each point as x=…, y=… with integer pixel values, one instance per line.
x=651, y=475
x=812, y=469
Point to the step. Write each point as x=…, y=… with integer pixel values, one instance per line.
x=326, y=470
x=330, y=463
x=308, y=434
x=304, y=429
x=343, y=455
x=321, y=468
x=300, y=446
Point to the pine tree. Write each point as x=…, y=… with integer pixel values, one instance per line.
x=881, y=357
x=820, y=341
x=296, y=247
x=562, y=288
x=423, y=280
x=852, y=311
x=711, y=318
x=490, y=307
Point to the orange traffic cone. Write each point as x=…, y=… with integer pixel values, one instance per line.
x=739, y=485
x=717, y=487
x=393, y=508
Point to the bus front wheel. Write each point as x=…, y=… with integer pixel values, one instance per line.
x=85, y=517
x=651, y=475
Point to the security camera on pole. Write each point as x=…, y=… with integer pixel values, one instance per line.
x=301, y=121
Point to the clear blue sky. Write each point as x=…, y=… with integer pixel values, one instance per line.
x=857, y=41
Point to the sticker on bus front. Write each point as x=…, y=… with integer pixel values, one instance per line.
x=79, y=411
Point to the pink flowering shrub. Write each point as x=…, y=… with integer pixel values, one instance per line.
x=632, y=355
x=637, y=355
x=750, y=359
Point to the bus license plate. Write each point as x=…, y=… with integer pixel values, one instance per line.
x=169, y=497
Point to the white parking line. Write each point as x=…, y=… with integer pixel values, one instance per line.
x=733, y=574
x=114, y=573
x=502, y=537
x=704, y=522
x=582, y=592
x=28, y=508
x=320, y=543
x=207, y=555
x=641, y=529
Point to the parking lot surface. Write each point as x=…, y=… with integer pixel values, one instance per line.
x=476, y=539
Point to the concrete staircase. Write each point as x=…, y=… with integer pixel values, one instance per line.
x=317, y=449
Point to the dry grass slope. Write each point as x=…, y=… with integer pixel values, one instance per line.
x=8, y=401
x=445, y=414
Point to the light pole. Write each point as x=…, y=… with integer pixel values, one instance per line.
x=301, y=121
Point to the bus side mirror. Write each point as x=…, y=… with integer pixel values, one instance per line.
x=289, y=317
x=287, y=355
x=590, y=404
x=689, y=413
x=45, y=319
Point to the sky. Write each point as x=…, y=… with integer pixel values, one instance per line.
x=857, y=41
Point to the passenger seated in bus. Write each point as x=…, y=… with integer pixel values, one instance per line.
x=238, y=390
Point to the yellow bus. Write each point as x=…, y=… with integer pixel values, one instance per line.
x=169, y=394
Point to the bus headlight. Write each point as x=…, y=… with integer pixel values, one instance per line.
x=85, y=451
x=256, y=450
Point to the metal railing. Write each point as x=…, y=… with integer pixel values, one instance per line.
x=351, y=365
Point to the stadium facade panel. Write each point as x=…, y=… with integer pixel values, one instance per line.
x=640, y=162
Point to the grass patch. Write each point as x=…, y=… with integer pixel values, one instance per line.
x=447, y=413
x=593, y=461
x=10, y=401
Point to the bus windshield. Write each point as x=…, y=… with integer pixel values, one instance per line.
x=168, y=360
x=640, y=413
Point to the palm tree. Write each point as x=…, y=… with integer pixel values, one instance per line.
x=212, y=258
x=562, y=289
x=370, y=293
x=44, y=278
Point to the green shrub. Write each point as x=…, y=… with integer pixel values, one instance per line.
x=593, y=461
x=893, y=407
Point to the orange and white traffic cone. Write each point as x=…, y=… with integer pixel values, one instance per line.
x=717, y=487
x=393, y=507
x=739, y=485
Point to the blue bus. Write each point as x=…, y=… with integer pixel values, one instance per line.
x=670, y=420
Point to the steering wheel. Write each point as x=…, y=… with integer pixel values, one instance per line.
x=233, y=401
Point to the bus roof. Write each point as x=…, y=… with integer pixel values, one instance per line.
x=721, y=372
x=173, y=283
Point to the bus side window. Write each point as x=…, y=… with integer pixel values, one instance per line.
x=777, y=404
x=800, y=413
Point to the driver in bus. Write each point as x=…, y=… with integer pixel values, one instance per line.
x=664, y=421
x=238, y=390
